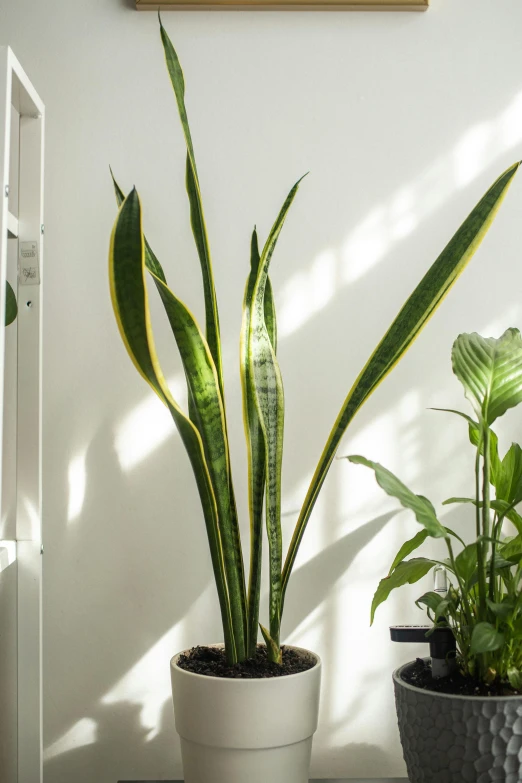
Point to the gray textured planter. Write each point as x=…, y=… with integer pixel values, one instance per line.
x=456, y=739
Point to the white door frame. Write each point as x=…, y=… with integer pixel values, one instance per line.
x=16, y=91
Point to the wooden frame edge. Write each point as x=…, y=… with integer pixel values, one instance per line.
x=273, y=5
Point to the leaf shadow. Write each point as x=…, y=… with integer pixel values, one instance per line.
x=311, y=584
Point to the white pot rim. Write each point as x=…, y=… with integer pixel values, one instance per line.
x=397, y=678
x=246, y=680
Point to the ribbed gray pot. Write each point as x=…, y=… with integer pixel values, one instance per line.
x=458, y=739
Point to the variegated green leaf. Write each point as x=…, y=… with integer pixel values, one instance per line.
x=406, y=327
x=151, y=262
x=490, y=371
x=131, y=308
x=203, y=385
x=197, y=217
x=269, y=399
x=255, y=441
x=273, y=647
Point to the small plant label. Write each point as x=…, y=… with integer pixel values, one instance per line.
x=28, y=264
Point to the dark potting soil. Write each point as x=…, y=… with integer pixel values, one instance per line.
x=419, y=675
x=211, y=661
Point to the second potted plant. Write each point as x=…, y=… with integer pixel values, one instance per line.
x=466, y=725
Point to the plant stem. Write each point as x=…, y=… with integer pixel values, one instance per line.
x=481, y=565
x=463, y=593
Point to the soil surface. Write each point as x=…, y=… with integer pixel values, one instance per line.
x=419, y=675
x=211, y=662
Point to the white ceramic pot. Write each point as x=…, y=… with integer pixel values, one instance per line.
x=246, y=731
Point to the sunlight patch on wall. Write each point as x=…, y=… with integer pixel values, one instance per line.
x=308, y=291
x=147, y=426
x=77, y=476
x=148, y=682
x=85, y=732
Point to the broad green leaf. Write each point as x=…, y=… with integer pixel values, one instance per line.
x=421, y=506
x=267, y=391
x=408, y=547
x=255, y=440
x=485, y=638
x=501, y=610
x=131, y=308
x=466, y=563
x=407, y=572
x=490, y=371
x=405, y=328
x=207, y=408
x=508, y=482
x=515, y=678
x=197, y=218
x=512, y=549
x=11, y=307
x=431, y=600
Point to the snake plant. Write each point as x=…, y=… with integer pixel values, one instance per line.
x=203, y=427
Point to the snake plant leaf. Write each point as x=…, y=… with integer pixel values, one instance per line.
x=405, y=328
x=407, y=572
x=490, y=371
x=131, y=308
x=207, y=408
x=197, y=217
x=421, y=506
x=485, y=638
x=255, y=455
x=11, y=307
x=267, y=390
x=273, y=647
x=408, y=547
x=254, y=439
x=151, y=261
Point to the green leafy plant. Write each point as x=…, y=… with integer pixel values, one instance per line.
x=203, y=427
x=11, y=307
x=483, y=605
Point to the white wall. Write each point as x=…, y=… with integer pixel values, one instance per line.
x=403, y=120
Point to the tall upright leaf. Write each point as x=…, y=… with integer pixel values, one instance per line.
x=405, y=328
x=267, y=390
x=197, y=217
x=131, y=308
x=209, y=414
x=255, y=441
